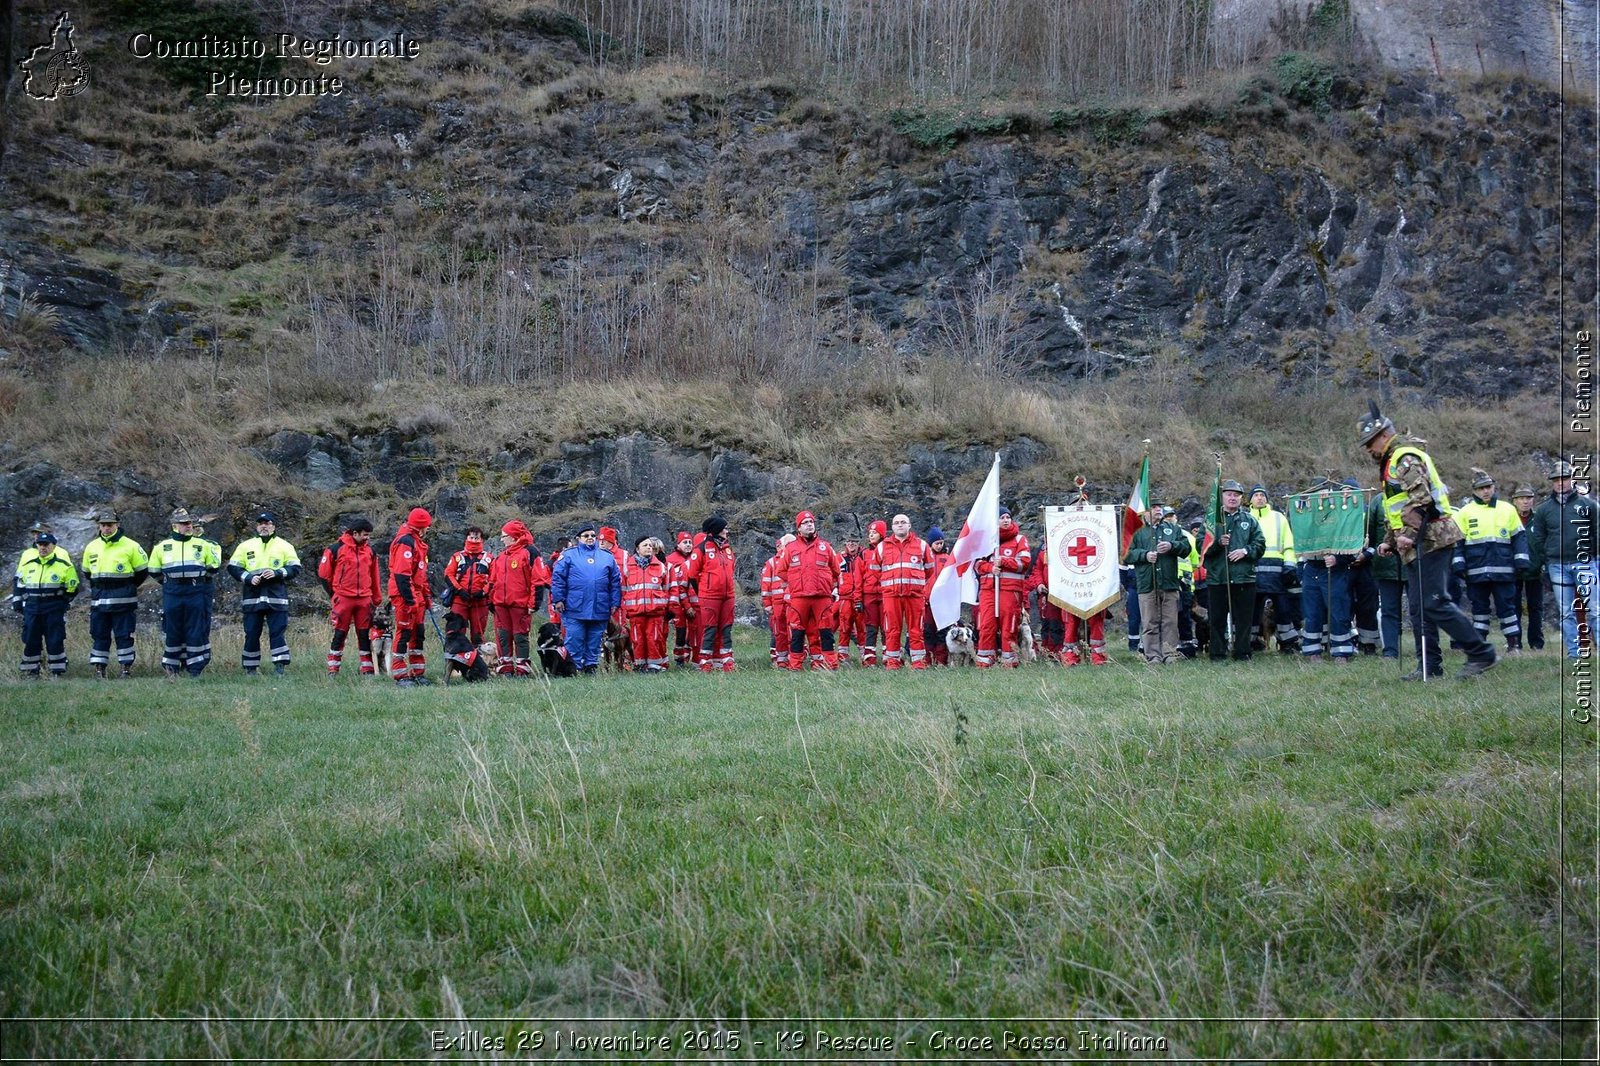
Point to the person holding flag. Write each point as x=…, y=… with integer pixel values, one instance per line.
x=1234, y=542
x=1002, y=584
x=1155, y=551
x=1132, y=522
x=1092, y=628
x=980, y=535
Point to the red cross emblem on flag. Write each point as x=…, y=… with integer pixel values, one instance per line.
x=1081, y=551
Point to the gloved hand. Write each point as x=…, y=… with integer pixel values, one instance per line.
x=16, y=605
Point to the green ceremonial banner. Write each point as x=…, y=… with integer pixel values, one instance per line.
x=1329, y=521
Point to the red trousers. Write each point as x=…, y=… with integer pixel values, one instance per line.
x=997, y=632
x=903, y=612
x=811, y=628
x=1094, y=626
x=778, y=623
x=849, y=624
x=513, y=620
x=686, y=645
x=476, y=612
x=406, y=657
x=716, y=640
x=350, y=612
x=649, y=635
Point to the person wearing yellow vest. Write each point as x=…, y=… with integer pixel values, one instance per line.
x=1277, y=574
x=1493, y=548
x=115, y=566
x=185, y=564
x=1423, y=533
x=264, y=565
x=44, y=585
x=1188, y=646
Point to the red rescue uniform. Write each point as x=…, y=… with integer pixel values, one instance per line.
x=904, y=565
x=710, y=574
x=850, y=620
x=682, y=610
x=1011, y=563
x=513, y=585
x=349, y=571
x=809, y=569
x=645, y=598
x=467, y=574
x=410, y=597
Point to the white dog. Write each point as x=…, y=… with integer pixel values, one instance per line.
x=958, y=641
x=1026, y=651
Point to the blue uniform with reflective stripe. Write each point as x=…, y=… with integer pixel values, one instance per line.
x=43, y=587
x=268, y=601
x=115, y=567
x=184, y=565
x=1494, y=547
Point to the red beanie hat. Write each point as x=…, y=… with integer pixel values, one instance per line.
x=881, y=527
x=607, y=533
x=516, y=530
x=803, y=516
x=419, y=519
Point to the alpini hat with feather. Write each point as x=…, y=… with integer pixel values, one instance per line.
x=1372, y=424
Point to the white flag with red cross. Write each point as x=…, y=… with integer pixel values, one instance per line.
x=980, y=536
x=1084, y=556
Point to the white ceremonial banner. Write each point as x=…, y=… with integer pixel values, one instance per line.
x=1083, y=542
x=980, y=536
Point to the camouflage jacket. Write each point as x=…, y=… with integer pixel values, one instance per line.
x=1415, y=498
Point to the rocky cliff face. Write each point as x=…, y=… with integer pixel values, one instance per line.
x=1388, y=231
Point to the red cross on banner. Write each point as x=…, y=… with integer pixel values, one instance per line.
x=1082, y=551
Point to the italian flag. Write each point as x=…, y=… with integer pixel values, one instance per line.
x=1138, y=504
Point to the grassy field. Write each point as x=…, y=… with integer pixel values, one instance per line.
x=1263, y=861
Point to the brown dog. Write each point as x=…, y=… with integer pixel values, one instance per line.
x=616, y=649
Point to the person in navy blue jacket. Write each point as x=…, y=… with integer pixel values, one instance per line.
x=584, y=589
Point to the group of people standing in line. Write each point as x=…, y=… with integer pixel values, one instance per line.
x=1210, y=582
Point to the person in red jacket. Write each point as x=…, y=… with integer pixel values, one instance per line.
x=349, y=571
x=872, y=590
x=682, y=611
x=932, y=635
x=850, y=621
x=513, y=578
x=710, y=574
x=1052, y=619
x=808, y=566
x=467, y=575
x=904, y=562
x=409, y=595
x=1010, y=563
x=773, y=603
x=644, y=603
x=610, y=541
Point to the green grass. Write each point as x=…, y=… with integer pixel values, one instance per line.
x=1269, y=842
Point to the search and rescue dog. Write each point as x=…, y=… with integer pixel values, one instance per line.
x=958, y=642
x=553, y=658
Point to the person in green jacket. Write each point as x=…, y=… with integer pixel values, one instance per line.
x=1237, y=542
x=1155, y=552
x=1391, y=582
x=1564, y=533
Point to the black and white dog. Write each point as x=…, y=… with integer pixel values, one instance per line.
x=463, y=659
x=959, y=642
x=553, y=658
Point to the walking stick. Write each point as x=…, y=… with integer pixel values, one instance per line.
x=1422, y=627
x=1222, y=523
